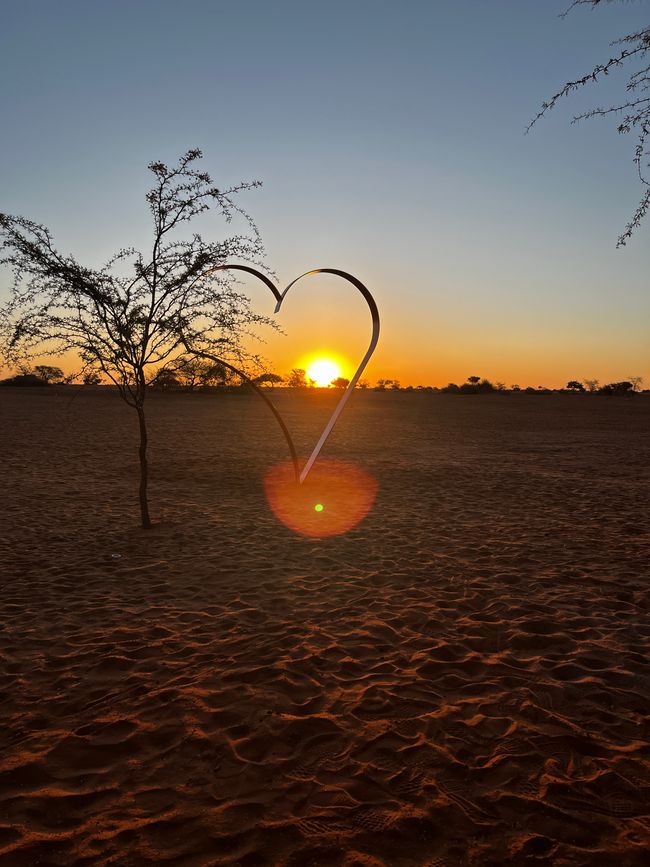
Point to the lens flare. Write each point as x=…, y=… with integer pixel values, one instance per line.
x=334, y=497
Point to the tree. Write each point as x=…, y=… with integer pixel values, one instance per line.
x=217, y=374
x=633, y=108
x=363, y=383
x=474, y=379
x=91, y=377
x=24, y=380
x=574, y=385
x=340, y=382
x=271, y=379
x=637, y=382
x=165, y=380
x=297, y=378
x=624, y=387
x=190, y=372
x=140, y=311
x=49, y=373
x=592, y=385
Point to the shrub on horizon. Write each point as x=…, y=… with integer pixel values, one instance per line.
x=24, y=380
x=617, y=388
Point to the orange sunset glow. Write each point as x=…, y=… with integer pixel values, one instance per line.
x=323, y=370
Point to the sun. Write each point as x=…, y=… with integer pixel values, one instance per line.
x=323, y=371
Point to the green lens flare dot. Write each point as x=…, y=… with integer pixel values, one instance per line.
x=319, y=507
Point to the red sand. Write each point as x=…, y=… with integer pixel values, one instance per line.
x=461, y=679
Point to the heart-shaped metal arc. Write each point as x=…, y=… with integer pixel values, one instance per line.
x=280, y=296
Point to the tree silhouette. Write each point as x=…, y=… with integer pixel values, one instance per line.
x=574, y=385
x=297, y=378
x=592, y=385
x=271, y=379
x=633, y=109
x=190, y=372
x=637, y=382
x=92, y=377
x=340, y=382
x=165, y=380
x=48, y=373
x=613, y=388
x=474, y=379
x=127, y=326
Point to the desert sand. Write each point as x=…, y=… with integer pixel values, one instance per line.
x=463, y=678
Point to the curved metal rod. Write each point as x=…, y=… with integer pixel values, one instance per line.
x=258, y=391
x=255, y=273
x=374, y=312
x=280, y=296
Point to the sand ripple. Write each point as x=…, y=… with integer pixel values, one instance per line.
x=463, y=679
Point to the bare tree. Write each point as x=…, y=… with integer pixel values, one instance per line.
x=632, y=110
x=140, y=312
x=592, y=385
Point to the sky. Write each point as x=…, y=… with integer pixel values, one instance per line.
x=390, y=140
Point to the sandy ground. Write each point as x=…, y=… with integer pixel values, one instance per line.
x=462, y=679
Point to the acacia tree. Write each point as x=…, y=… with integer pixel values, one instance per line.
x=632, y=110
x=140, y=313
x=49, y=373
x=271, y=379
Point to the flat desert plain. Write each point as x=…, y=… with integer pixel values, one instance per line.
x=463, y=678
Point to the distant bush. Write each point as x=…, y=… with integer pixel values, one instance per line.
x=23, y=380
x=49, y=373
x=472, y=387
x=617, y=388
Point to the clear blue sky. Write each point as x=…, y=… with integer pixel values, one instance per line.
x=390, y=140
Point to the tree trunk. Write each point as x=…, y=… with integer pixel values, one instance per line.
x=144, y=504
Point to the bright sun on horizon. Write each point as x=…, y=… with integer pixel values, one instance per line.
x=323, y=371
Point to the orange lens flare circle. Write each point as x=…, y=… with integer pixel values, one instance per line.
x=334, y=497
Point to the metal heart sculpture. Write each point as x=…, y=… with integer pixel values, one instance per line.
x=301, y=475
